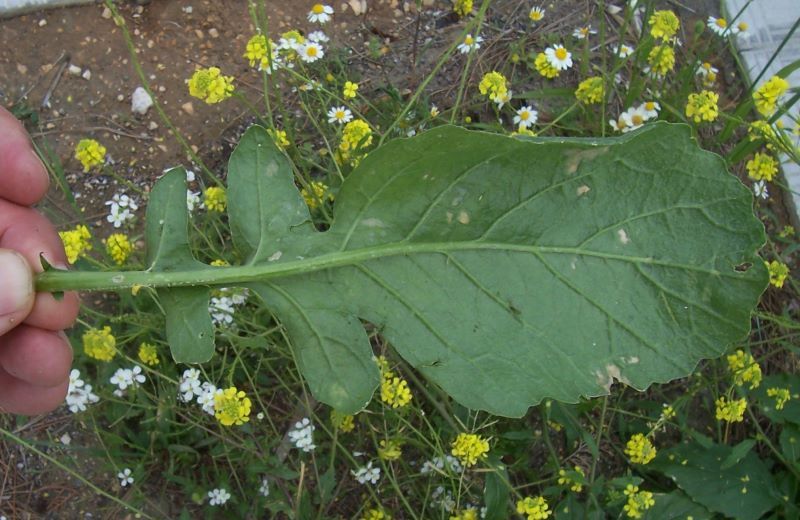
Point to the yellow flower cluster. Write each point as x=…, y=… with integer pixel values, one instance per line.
x=762, y=130
x=279, y=138
x=90, y=153
x=590, y=91
x=356, y=136
x=663, y=24
x=118, y=247
x=702, y=106
x=781, y=395
x=342, y=422
x=544, y=67
x=215, y=199
x=535, y=508
x=565, y=479
x=148, y=354
x=762, y=167
x=260, y=50
x=778, y=273
x=638, y=501
x=76, y=242
x=469, y=513
x=661, y=59
x=462, y=7
x=210, y=85
x=100, y=344
x=745, y=369
x=493, y=84
x=315, y=194
x=469, y=447
x=376, y=514
x=731, y=411
x=390, y=449
x=639, y=449
x=232, y=407
x=766, y=96
x=395, y=391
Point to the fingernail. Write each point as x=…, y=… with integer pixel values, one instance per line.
x=16, y=282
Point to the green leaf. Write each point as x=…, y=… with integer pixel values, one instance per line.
x=496, y=491
x=745, y=490
x=504, y=270
x=676, y=506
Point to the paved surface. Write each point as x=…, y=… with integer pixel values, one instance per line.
x=14, y=7
x=770, y=22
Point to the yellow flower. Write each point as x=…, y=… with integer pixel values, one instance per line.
x=231, y=407
x=762, y=167
x=536, y=508
x=316, y=195
x=215, y=199
x=667, y=412
x=383, y=366
x=100, y=344
x=469, y=513
x=781, y=395
x=493, y=84
x=279, y=138
x=395, y=392
x=778, y=273
x=462, y=7
x=762, y=130
x=376, y=514
x=148, y=354
x=356, y=134
x=118, y=247
x=390, y=449
x=536, y=14
x=745, y=369
x=766, y=96
x=590, y=91
x=342, y=422
x=219, y=263
x=638, y=501
x=663, y=24
x=210, y=86
x=731, y=411
x=544, y=68
x=261, y=50
x=702, y=106
x=76, y=242
x=639, y=449
x=661, y=59
x=350, y=89
x=786, y=232
x=468, y=448
x=566, y=480
x=90, y=153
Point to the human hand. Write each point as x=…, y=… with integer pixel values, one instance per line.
x=35, y=356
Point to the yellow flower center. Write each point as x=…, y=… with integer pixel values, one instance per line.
x=339, y=114
x=536, y=16
x=311, y=51
x=524, y=116
x=318, y=9
x=649, y=105
x=743, y=26
x=468, y=40
x=721, y=23
x=561, y=53
x=637, y=119
x=584, y=31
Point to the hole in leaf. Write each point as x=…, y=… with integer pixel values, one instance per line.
x=743, y=268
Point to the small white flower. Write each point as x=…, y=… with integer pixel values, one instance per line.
x=310, y=52
x=582, y=33
x=189, y=384
x=470, y=44
x=559, y=57
x=634, y=118
x=438, y=464
x=443, y=498
x=218, y=497
x=192, y=199
x=290, y=44
x=434, y=111
x=302, y=435
x=500, y=101
x=123, y=201
x=206, y=397
x=760, y=189
x=79, y=394
x=125, y=478
x=526, y=116
x=260, y=416
x=123, y=378
x=264, y=489
x=118, y=215
x=320, y=13
x=221, y=310
x=367, y=474
x=136, y=376
x=740, y=29
x=705, y=69
x=536, y=14
x=319, y=37
x=339, y=115
x=650, y=109
x=622, y=50
x=718, y=25
x=617, y=124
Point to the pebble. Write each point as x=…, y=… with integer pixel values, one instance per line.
x=140, y=101
x=87, y=74
x=42, y=22
x=74, y=70
x=106, y=13
x=188, y=108
x=213, y=33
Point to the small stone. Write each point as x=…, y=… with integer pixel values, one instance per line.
x=140, y=101
x=199, y=34
x=188, y=9
x=74, y=70
x=213, y=33
x=120, y=97
x=65, y=439
x=152, y=126
x=188, y=108
x=22, y=69
x=106, y=13
x=42, y=22
x=87, y=74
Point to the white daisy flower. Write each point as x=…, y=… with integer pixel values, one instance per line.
x=367, y=474
x=718, y=25
x=650, y=109
x=320, y=13
x=760, y=189
x=310, y=52
x=536, y=14
x=634, y=118
x=526, y=116
x=500, y=101
x=622, y=50
x=559, y=57
x=339, y=115
x=582, y=33
x=470, y=44
x=705, y=69
x=434, y=111
x=740, y=29
x=125, y=478
x=218, y=497
x=319, y=37
x=618, y=124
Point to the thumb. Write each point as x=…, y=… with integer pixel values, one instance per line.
x=16, y=289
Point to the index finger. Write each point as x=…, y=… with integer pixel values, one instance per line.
x=23, y=178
